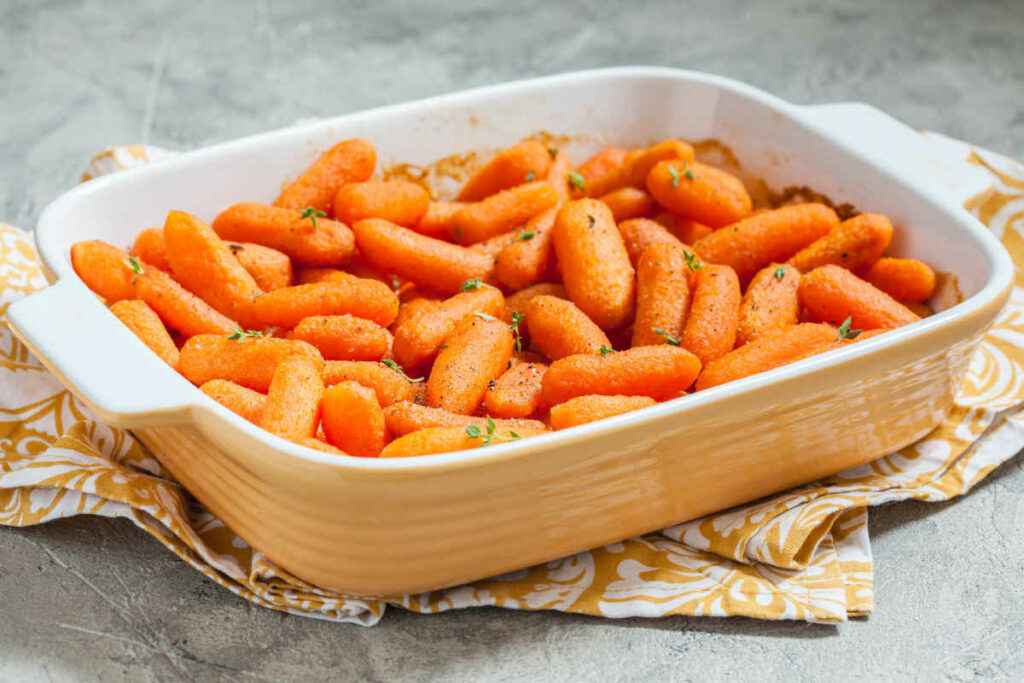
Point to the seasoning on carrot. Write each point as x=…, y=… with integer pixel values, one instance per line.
x=105, y=269
x=520, y=301
x=363, y=298
x=637, y=165
x=306, y=239
x=406, y=417
x=502, y=212
x=270, y=268
x=769, y=303
x=388, y=383
x=476, y=352
x=292, y=408
x=178, y=308
x=710, y=330
x=145, y=323
x=521, y=163
x=662, y=294
x=592, y=407
x=349, y=161
x=343, y=337
x=640, y=233
x=558, y=328
x=699, y=192
x=516, y=393
x=529, y=258
x=398, y=201
x=905, y=279
x=353, y=420
x=854, y=244
x=248, y=359
x=831, y=294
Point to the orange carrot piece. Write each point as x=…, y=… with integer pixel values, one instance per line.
x=307, y=239
x=431, y=263
x=444, y=440
x=516, y=393
x=292, y=408
x=352, y=419
x=249, y=361
x=628, y=202
x=146, y=324
x=710, y=330
x=703, y=193
x=768, y=237
x=308, y=276
x=398, y=201
x=662, y=295
x=238, y=399
x=604, y=162
x=635, y=168
x=363, y=298
x=344, y=337
x=771, y=350
x=558, y=328
x=904, y=279
x=349, y=161
x=558, y=177
x=683, y=229
x=105, y=269
x=592, y=407
x=595, y=265
x=270, y=268
x=831, y=294
x=661, y=372
x=854, y=244
x=502, y=212
x=494, y=245
x=178, y=308
x=407, y=417
x=769, y=303
x=640, y=233
x=520, y=301
x=439, y=219
x=419, y=337
x=529, y=258
x=149, y=247
x=390, y=385
x=521, y=163
x=475, y=353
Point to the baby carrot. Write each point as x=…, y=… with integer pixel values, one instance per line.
x=344, y=337
x=446, y=440
x=432, y=263
x=439, y=219
x=661, y=372
x=703, y=193
x=769, y=303
x=352, y=419
x=204, y=264
x=398, y=201
x=904, y=279
x=640, y=233
x=236, y=398
x=684, y=229
x=628, y=202
x=388, y=382
x=406, y=417
x=635, y=168
x=308, y=276
x=854, y=244
x=307, y=238
x=516, y=393
x=363, y=298
x=292, y=408
x=178, y=308
x=418, y=337
x=502, y=212
x=662, y=295
x=105, y=269
x=149, y=247
x=559, y=329
x=249, y=361
x=710, y=330
x=494, y=245
x=771, y=350
x=831, y=294
x=520, y=301
x=528, y=259
x=521, y=163
x=349, y=161
x=146, y=324
x=475, y=353
x=604, y=162
x=583, y=409
x=270, y=268
x=595, y=265
x=558, y=177
x=768, y=237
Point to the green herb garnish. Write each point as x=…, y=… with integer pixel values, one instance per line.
x=577, y=181
x=669, y=338
x=388, y=363
x=135, y=265
x=471, y=283
x=604, y=350
x=474, y=431
x=674, y=172
x=780, y=273
x=692, y=261
x=846, y=331
x=242, y=334
x=312, y=214
x=514, y=435
x=689, y=174
x=525, y=235
x=517, y=318
x=529, y=177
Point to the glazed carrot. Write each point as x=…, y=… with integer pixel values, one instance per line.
x=363, y=298
x=904, y=279
x=204, y=265
x=502, y=212
x=831, y=294
x=445, y=440
x=771, y=350
x=710, y=330
x=516, y=393
x=349, y=161
x=769, y=237
x=769, y=303
x=105, y=269
x=661, y=372
x=406, y=417
x=417, y=339
x=558, y=328
x=584, y=409
x=438, y=220
x=604, y=162
x=413, y=307
x=595, y=265
x=640, y=233
x=308, y=276
x=249, y=361
x=270, y=268
x=352, y=419
x=475, y=353
x=703, y=193
x=236, y=398
x=344, y=337
x=662, y=295
x=628, y=202
x=529, y=258
x=307, y=239
x=854, y=244
x=292, y=408
x=178, y=308
x=150, y=248
x=558, y=177
x=494, y=245
x=429, y=262
x=398, y=201
x=521, y=163
x=635, y=168
x=683, y=229
x=388, y=383
x=146, y=324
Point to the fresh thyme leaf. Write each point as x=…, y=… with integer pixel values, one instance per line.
x=484, y=316
x=387, y=362
x=692, y=261
x=529, y=177
x=604, y=350
x=689, y=174
x=780, y=273
x=514, y=435
x=242, y=334
x=846, y=331
x=525, y=235
x=674, y=172
x=135, y=265
x=577, y=181
x=517, y=318
x=471, y=283
x=312, y=214
x=669, y=338
x=473, y=432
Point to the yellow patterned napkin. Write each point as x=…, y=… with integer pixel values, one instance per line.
x=803, y=554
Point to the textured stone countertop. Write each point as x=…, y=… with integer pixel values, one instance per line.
x=92, y=599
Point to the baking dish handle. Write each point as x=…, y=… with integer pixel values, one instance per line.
x=101, y=361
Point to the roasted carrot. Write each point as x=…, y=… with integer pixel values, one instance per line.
x=398, y=201
x=270, y=268
x=595, y=265
x=475, y=353
x=446, y=440
x=771, y=350
x=854, y=244
x=904, y=279
x=604, y=162
x=344, y=337
x=516, y=393
x=438, y=220
x=249, y=361
x=388, y=382
x=292, y=408
x=502, y=212
x=584, y=409
x=406, y=417
x=558, y=177
x=236, y=398
x=640, y=233
x=149, y=247
x=558, y=328
x=308, y=239
x=710, y=330
x=349, y=161
x=178, y=308
x=685, y=230
x=363, y=298
x=831, y=294
x=769, y=303
x=494, y=245
x=353, y=420
x=105, y=269
x=145, y=323
x=628, y=202
x=662, y=295
x=635, y=168
x=521, y=163
x=520, y=301
x=529, y=258
x=702, y=193
x=661, y=372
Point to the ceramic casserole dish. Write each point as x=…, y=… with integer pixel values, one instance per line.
x=372, y=526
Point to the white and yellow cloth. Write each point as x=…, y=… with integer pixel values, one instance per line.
x=804, y=554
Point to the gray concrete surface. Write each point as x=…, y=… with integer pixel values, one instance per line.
x=97, y=600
